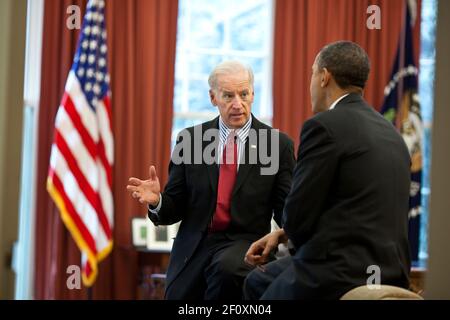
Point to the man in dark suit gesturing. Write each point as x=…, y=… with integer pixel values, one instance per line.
x=347, y=211
x=227, y=178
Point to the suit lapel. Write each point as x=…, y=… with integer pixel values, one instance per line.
x=213, y=169
x=246, y=166
x=244, y=169
x=213, y=173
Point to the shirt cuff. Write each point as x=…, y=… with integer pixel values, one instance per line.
x=158, y=207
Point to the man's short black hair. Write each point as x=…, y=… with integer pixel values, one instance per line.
x=347, y=62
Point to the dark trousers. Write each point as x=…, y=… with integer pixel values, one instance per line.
x=264, y=285
x=215, y=272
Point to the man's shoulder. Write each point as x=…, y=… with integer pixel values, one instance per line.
x=341, y=114
x=259, y=125
x=330, y=122
x=323, y=119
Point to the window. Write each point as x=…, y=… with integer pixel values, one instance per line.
x=23, y=257
x=426, y=90
x=213, y=31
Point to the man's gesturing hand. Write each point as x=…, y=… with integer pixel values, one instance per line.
x=146, y=191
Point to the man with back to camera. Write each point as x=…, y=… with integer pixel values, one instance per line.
x=223, y=206
x=347, y=210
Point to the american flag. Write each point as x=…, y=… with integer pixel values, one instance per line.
x=80, y=173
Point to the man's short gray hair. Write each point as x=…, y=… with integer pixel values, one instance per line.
x=226, y=68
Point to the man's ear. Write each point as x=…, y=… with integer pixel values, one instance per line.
x=325, y=77
x=212, y=96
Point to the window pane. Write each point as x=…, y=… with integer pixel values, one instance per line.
x=213, y=31
x=206, y=32
x=177, y=100
x=256, y=108
x=199, y=97
x=249, y=29
x=426, y=90
x=201, y=64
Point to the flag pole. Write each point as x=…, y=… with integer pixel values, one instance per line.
x=399, y=117
x=89, y=293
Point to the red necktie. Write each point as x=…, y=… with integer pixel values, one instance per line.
x=227, y=178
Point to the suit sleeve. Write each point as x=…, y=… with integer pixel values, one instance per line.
x=174, y=196
x=312, y=179
x=283, y=179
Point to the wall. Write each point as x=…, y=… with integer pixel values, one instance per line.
x=437, y=285
x=12, y=56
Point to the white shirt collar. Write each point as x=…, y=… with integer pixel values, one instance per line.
x=241, y=133
x=337, y=101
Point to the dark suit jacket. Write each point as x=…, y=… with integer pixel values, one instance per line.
x=348, y=205
x=191, y=195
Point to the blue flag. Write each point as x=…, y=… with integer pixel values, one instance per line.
x=401, y=107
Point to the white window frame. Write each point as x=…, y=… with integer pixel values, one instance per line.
x=24, y=249
x=185, y=49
